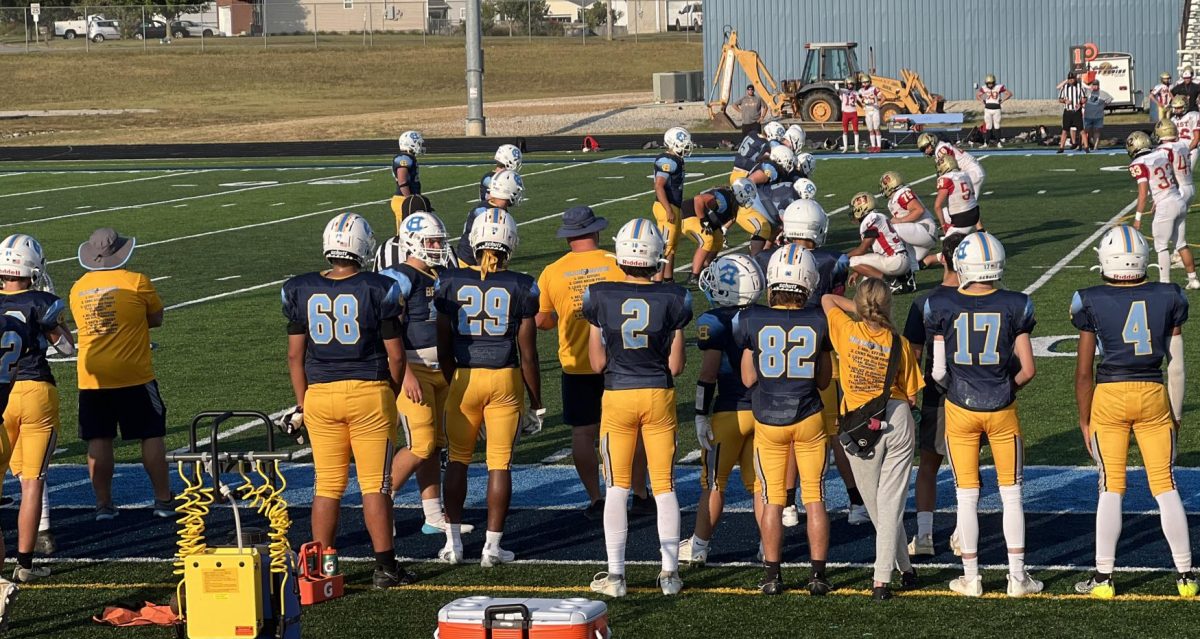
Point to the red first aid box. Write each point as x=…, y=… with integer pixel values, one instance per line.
x=498, y=618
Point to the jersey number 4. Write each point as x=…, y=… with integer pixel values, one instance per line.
x=1136, y=329
x=986, y=323
x=482, y=312
x=783, y=353
x=333, y=319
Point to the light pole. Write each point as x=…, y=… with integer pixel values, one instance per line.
x=476, y=123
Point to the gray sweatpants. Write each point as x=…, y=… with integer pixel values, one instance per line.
x=883, y=481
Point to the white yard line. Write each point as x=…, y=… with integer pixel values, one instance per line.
x=86, y=186
x=218, y=296
x=1069, y=257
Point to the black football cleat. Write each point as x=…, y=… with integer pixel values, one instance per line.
x=908, y=580
x=818, y=587
x=771, y=585
x=384, y=579
x=881, y=593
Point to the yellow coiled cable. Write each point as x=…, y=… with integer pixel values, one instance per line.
x=195, y=499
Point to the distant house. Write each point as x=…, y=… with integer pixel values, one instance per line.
x=299, y=16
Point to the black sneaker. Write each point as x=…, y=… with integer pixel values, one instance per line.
x=908, y=580
x=595, y=512
x=643, y=507
x=771, y=585
x=1059, y=151
x=384, y=579
x=881, y=593
x=817, y=586
x=166, y=509
x=904, y=284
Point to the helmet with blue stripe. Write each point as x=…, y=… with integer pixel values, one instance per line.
x=348, y=236
x=22, y=256
x=979, y=258
x=732, y=280
x=793, y=269
x=1124, y=254
x=423, y=236
x=496, y=230
x=639, y=244
x=744, y=191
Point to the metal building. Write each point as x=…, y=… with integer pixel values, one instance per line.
x=953, y=43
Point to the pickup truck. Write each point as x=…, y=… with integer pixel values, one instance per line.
x=71, y=29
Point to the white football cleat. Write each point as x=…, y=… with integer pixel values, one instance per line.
x=440, y=528
x=955, y=544
x=921, y=545
x=610, y=585
x=858, y=515
x=495, y=556
x=693, y=555
x=1025, y=585
x=670, y=582
x=451, y=555
x=791, y=517
x=968, y=586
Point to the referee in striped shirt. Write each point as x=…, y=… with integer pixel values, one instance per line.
x=1071, y=96
x=391, y=253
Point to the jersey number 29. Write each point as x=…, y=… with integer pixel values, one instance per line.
x=483, y=312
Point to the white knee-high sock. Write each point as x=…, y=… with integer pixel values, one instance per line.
x=1164, y=266
x=845, y=140
x=44, y=524
x=968, y=527
x=1014, y=527
x=616, y=528
x=1175, y=528
x=856, y=140
x=668, y=530
x=433, y=511
x=1108, y=531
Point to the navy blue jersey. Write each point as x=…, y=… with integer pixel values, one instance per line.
x=345, y=321
x=1133, y=327
x=17, y=341
x=979, y=331
x=487, y=314
x=914, y=332
x=786, y=343
x=42, y=312
x=463, y=251
x=832, y=266
x=775, y=174
x=670, y=167
x=714, y=331
x=637, y=322
x=484, y=183
x=749, y=151
x=727, y=208
x=406, y=161
x=416, y=290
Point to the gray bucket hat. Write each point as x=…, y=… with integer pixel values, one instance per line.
x=579, y=221
x=105, y=250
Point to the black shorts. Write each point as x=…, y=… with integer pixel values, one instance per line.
x=931, y=432
x=581, y=398
x=966, y=219
x=1072, y=120
x=138, y=410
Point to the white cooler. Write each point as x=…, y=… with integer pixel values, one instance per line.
x=510, y=618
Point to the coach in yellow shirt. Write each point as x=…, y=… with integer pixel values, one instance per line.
x=115, y=309
x=562, y=284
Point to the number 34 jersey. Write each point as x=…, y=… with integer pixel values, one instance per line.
x=487, y=314
x=980, y=331
x=637, y=321
x=345, y=321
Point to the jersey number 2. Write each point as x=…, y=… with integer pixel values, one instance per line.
x=986, y=323
x=633, y=329
x=1136, y=331
x=483, y=312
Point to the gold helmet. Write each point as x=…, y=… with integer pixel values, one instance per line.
x=946, y=163
x=890, y=182
x=1179, y=104
x=989, y=79
x=926, y=142
x=1164, y=77
x=864, y=78
x=1138, y=143
x=1165, y=130
x=851, y=80
x=861, y=204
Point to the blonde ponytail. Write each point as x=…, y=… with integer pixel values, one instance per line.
x=491, y=261
x=873, y=302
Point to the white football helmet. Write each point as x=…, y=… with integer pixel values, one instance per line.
x=423, y=236
x=979, y=258
x=509, y=157
x=805, y=220
x=805, y=189
x=732, y=280
x=784, y=157
x=678, y=141
x=639, y=244
x=744, y=191
x=793, y=268
x=774, y=131
x=412, y=142
x=494, y=229
x=348, y=236
x=507, y=186
x=1124, y=254
x=22, y=256
x=806, y=163
x=794, y=136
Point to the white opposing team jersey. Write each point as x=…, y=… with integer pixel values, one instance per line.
x=898, y=205
x=871, y=97
x=1161, y=94
x=966, y=161
x=876, y=225
x=1181, y=161
x=1155, y=169
x=960, y=194
x=849, y=99
x=991, y=97
x=1187, y=124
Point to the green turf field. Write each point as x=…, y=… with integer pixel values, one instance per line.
x=219, y=237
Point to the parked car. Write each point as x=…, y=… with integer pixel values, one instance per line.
x=189, y=28
x=101, y=30
x=150, y=30
x=691, y=18
x=70, y=29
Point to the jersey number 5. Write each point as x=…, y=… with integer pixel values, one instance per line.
x=483, y=312
x=986, y=323
x=776, y=359
x=335, y=319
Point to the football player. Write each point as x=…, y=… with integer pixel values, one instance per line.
x=870, y=98
x=405, y=171
x=346, y=357
x=992, y=95
x=754, y=219
x=911, y=219
x=706, y=216
x=956, y=198
x=637, y=341
x=1168, y=139
x=1136, y=324
x=1154, y=172
x=881, y=253
x=487, y=350
x=724, y=423
x=805, y=165
x=508, y=158
x=17, y=341
x=848, y=95
x=668, y=192
x=504, y=192
x=31, y=419
x=752, y=149
x=794, y=138
x=1160, y=95
x=1187, y=123
x=982, y=355
x=786, y=362
x=931, y=146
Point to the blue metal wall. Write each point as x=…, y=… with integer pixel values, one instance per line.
x=953, y=43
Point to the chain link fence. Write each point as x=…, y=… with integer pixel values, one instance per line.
x=271, y=23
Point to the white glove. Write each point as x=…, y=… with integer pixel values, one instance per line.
x=531, y=424
x=704, y=433
x=292, y=424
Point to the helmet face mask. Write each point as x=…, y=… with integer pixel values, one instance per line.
x=806, y=163
x=927, y=142
x=946, y=164
x=678, y=140
x=732, y=280
x=1179, y=105
x=979, y=258
x=1165, y=78
x=744, y=191
x=784, y=157
x=348, y=236
x=794, y=137
x=423, y=236
x=639, y=244
x=861, y=205
x=1124, y=255
x=1138, y=143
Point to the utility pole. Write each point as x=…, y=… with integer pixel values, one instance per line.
x=476, y=123
x=608, y=8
